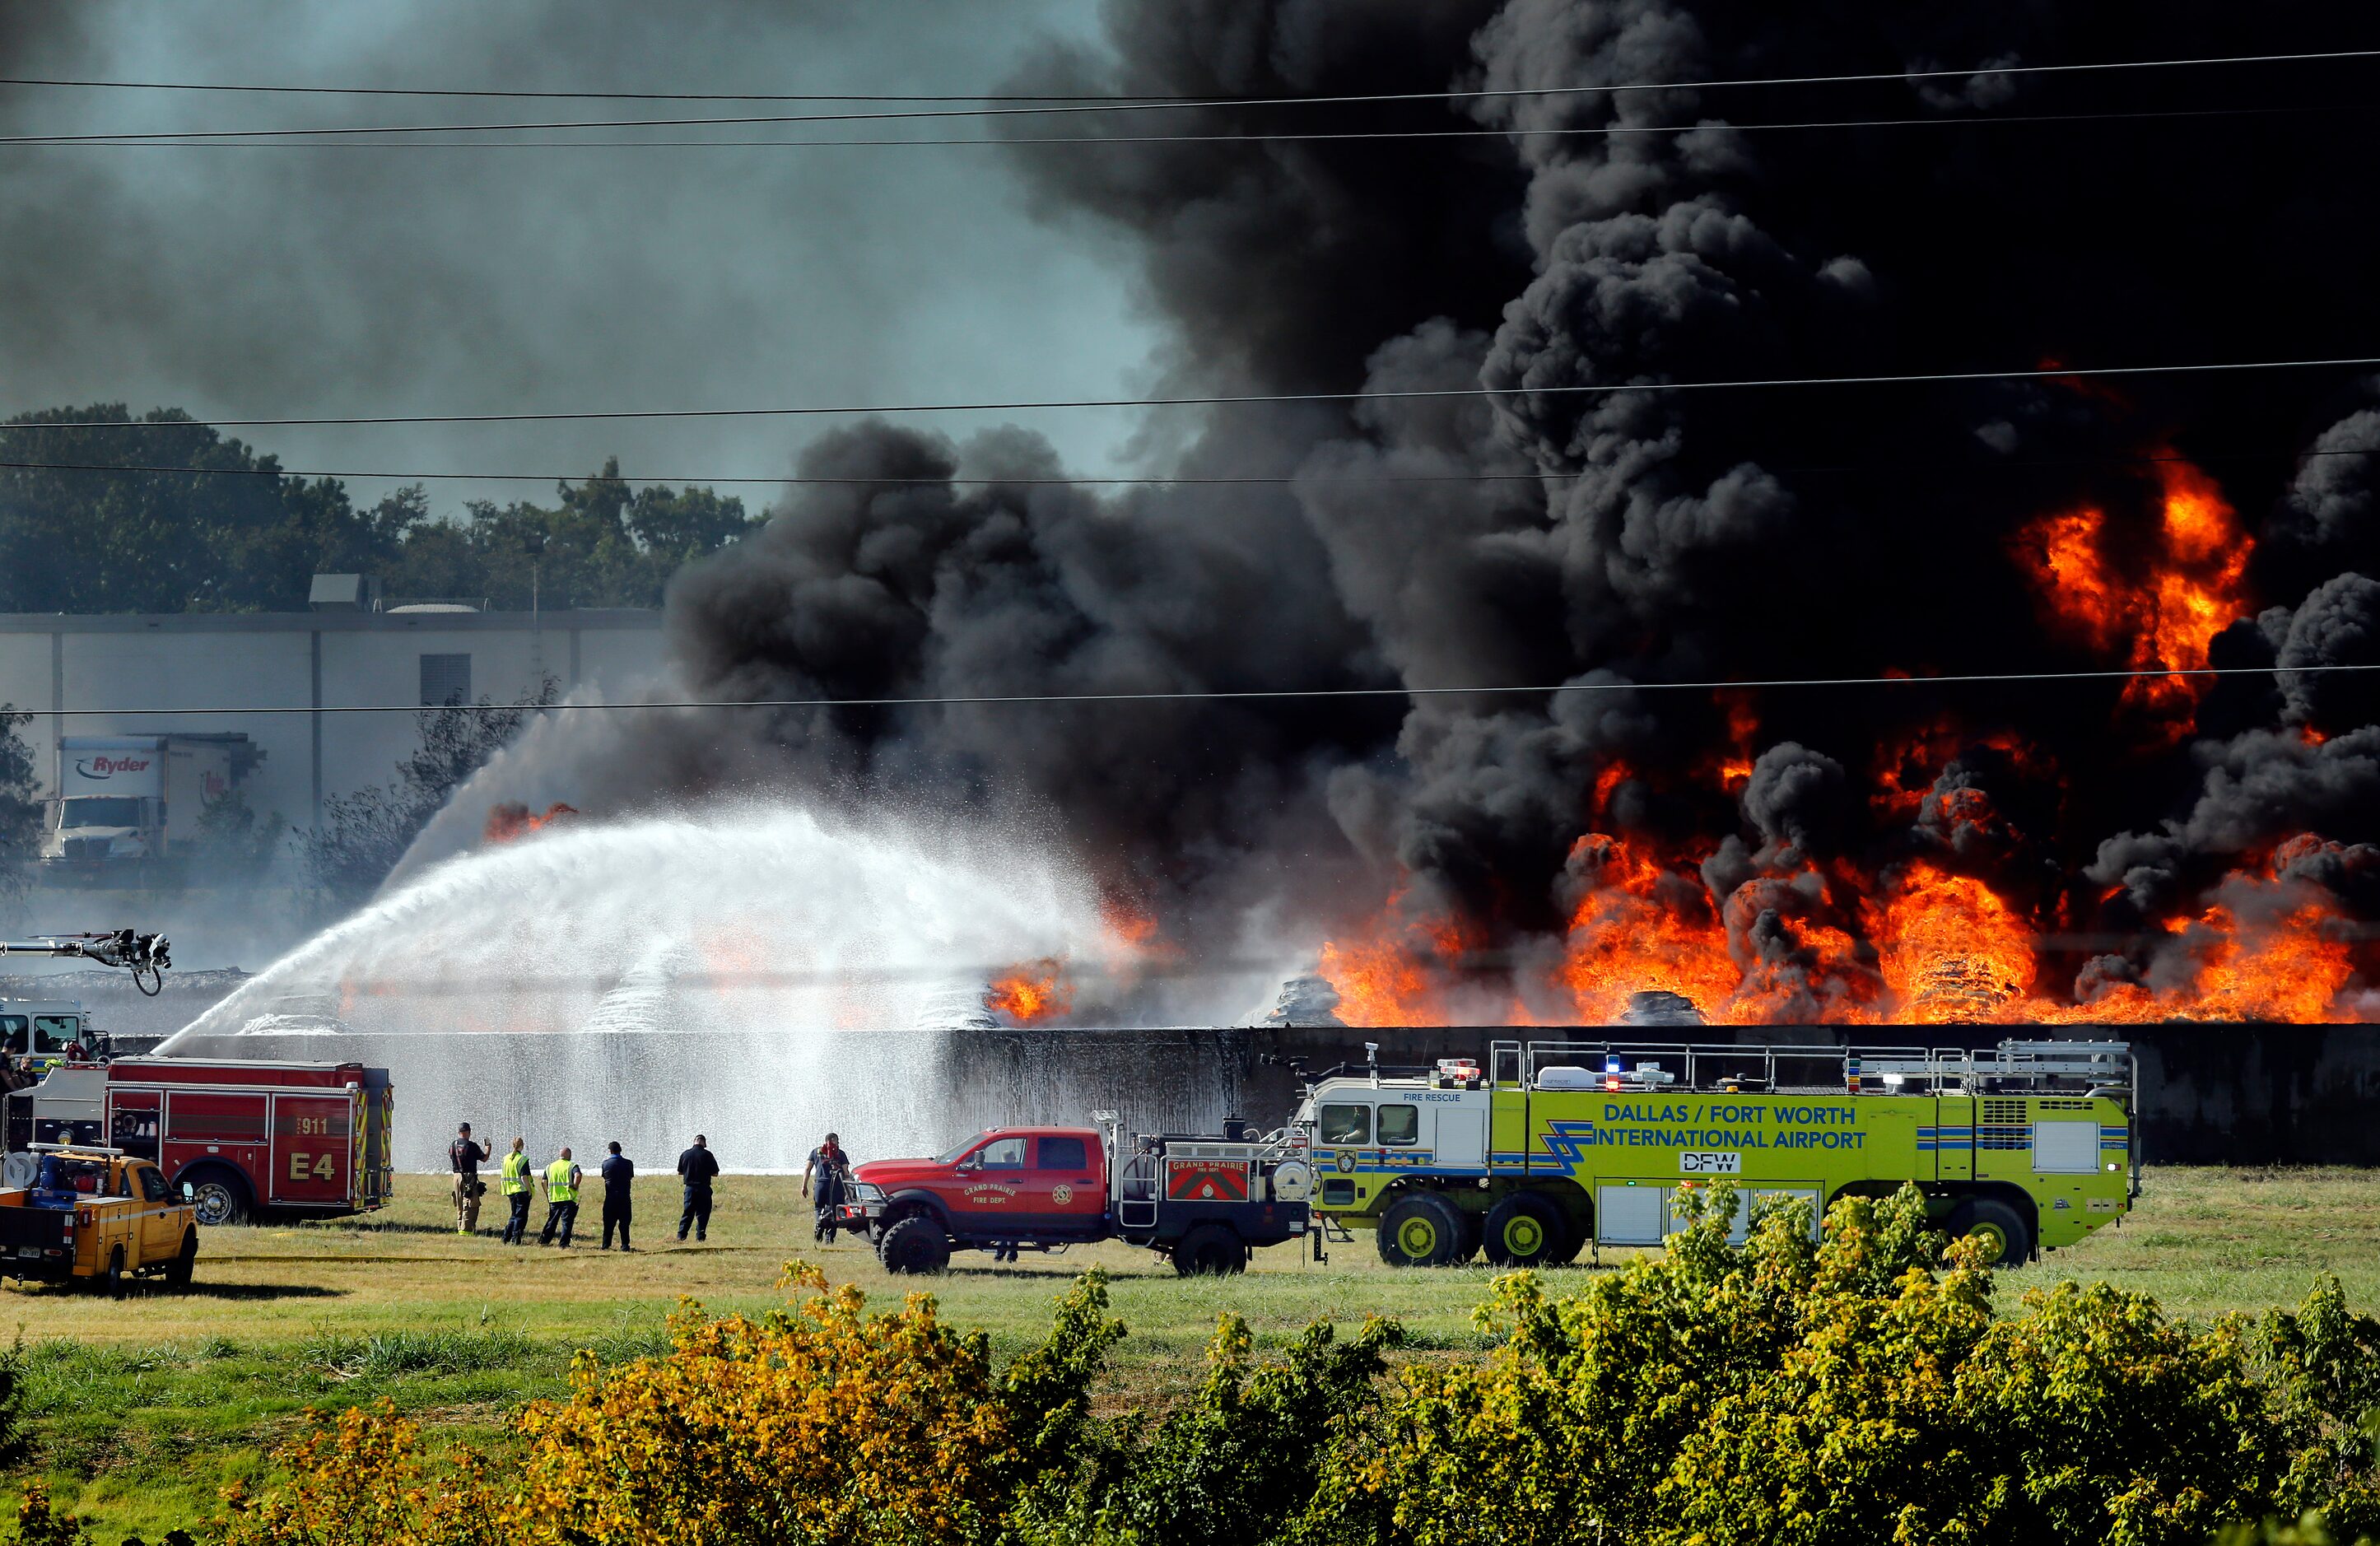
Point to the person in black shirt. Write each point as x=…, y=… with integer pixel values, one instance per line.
x=696, y=1167
x=464, y=1157
x=619, y=1175
x=832, y=1168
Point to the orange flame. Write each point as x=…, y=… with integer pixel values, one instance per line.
x=1640, y=927
x=1742, y=725
x=1952, y=951
x=1032, y=991
x=509, y=820
x=1922, y=946
x=2194, y=589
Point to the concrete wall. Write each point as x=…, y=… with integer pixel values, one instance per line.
x=2238, y=1095
x=50, y=663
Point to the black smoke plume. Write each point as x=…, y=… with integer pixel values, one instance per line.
x=1645, y=538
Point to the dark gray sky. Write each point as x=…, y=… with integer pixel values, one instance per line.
x=271, y=281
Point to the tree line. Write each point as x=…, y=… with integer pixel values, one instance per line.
x=222, y=529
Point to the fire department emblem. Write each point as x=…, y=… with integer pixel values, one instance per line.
x=1062, y=1195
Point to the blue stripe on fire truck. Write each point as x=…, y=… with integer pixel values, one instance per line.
x=2008, y=1137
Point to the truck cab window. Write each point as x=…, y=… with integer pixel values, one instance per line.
x=1064, y=1153
x=1345, y=1124
x=1001, y=1155
x=153, y=1186
x=1400, y=1124
x=53, y=1033
x=12, y=1033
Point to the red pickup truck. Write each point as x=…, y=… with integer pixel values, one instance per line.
x=1204, y=1202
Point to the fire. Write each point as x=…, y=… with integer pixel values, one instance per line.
x=1951, y=950
x=511, y=821
x=1919, y=945
x=2194, y=588
x=1638, y=928
x=1032, y=991
x=1742, y=725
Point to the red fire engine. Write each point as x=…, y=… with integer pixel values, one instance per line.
x=302, y=1138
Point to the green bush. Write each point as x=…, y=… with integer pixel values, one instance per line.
x=1785, y=1391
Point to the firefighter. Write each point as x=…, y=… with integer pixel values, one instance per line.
x=562, y=1179
x=696, y=1167
x=833, y=1167
x=465, y=1156
x=517, y=1186
x=619, y=1178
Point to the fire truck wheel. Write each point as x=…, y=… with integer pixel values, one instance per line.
x=915, y=1245
x=219, y=1196
x=1210, y=1250
x=179, y=1269
x=1525, y=1230
x=115, y=1275
x=2001, y=1226
x=1422, y=1230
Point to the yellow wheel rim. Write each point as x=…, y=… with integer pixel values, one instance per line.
x=1523, y=1236
x=1418, y=1237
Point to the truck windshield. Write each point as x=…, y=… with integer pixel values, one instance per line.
x=950, y=1155
x=100, y=810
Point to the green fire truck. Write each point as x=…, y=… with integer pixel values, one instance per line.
x=1558, y=1145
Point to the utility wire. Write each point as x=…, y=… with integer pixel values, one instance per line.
x=1183, y=479
x=1225, y=399
x=1126, y=101
x=384, y=133
x=1226, y=696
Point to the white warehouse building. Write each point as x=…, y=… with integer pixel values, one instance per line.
x=344, y=652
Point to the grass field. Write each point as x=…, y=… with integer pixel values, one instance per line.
x=141, y=1409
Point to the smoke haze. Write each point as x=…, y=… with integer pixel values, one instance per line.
x=1804, y=844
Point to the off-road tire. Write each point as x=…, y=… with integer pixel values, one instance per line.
x=2000, y=1225
x=1422, y=1230
x=915, y=1244
x=178, y=1271
x=1209, y=1251
x=114, y=1276
x=220, y=1196
x=1526, y=1230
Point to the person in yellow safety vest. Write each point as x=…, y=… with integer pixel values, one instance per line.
x=517, y=1191
x=562, y=1179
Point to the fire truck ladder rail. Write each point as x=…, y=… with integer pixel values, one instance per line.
x=1685, y=1065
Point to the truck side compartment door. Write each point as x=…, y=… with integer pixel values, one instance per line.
x=1954, y=1137
x=135, y=1121
x=311, y=1148
x=1462, y=1138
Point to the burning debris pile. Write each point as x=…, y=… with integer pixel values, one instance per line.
x=510, y=821
x=2079, y=831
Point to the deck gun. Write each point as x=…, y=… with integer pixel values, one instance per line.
x=146, y=956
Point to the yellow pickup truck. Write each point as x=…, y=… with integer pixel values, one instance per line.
x=94, y=1213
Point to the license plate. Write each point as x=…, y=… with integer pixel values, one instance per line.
x=29, y=1250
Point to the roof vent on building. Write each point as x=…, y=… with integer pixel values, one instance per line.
x=344, y=594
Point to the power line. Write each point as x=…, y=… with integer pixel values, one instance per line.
x=1223, y=695
x=1154, y=481
x=385, y=134
x=1218, y=400
x=1126, y=101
